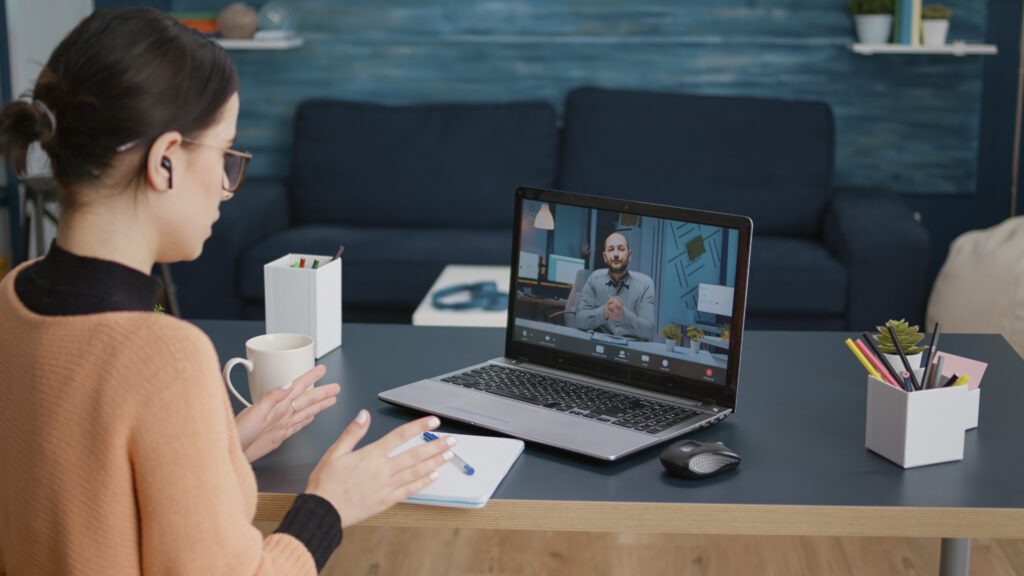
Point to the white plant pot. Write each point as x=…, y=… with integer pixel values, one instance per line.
x=670, y=345
x=894, y=360
x=694, y=347
x=873, y=28
x=933, y=32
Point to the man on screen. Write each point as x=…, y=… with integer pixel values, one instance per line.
x=615, y=300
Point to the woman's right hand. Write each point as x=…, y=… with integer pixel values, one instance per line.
x=361, y=483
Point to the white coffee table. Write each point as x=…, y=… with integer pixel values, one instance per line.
x=453, y=274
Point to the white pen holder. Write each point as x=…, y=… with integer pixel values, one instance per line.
x=973, y=407
x=305, y=300
x=917, y=428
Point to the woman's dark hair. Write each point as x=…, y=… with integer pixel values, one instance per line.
x=121, y=76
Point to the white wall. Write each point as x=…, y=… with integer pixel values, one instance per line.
x=34, y=28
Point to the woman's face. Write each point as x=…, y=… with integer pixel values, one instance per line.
x=193, y=204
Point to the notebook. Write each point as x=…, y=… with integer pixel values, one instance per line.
x=491, y=457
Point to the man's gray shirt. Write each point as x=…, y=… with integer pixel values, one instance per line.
x=637, y=293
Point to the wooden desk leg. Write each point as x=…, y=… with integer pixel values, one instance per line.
x=955, y=558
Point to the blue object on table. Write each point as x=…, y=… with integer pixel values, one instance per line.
x=484, y=295
x=462, y=464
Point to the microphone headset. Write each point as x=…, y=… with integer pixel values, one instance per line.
x=483, y=295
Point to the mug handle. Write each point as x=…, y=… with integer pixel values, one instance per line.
x=227, y=377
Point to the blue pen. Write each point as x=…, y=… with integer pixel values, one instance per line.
x=466, y=468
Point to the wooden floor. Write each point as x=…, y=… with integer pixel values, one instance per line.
x=373, y=551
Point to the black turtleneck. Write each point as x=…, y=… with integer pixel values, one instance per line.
x=65, y=284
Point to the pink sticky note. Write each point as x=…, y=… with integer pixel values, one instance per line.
x=953, y=364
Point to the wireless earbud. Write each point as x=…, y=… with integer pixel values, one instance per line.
x=165, y=163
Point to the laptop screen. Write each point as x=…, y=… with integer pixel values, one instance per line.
x=614, y=285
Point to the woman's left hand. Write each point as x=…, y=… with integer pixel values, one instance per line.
x=282, y=412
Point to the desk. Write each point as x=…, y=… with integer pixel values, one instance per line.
x=830, y=486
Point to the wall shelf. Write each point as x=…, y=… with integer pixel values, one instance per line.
x=250, y=44
x=954, y=49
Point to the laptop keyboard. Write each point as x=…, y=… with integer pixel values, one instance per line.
x=591, y=402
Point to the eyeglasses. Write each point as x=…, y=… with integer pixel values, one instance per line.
x=236, y=163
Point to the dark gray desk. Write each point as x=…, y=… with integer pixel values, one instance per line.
x=799, y=427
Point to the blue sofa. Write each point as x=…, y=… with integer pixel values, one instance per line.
x=409, y=189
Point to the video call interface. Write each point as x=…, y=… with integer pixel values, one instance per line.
x=648, y=292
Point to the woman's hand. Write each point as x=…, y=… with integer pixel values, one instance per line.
x=282, y=412
x=363, y=482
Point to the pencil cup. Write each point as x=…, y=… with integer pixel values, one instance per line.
x=973, y=406
x=305, y=300
x=916, y=428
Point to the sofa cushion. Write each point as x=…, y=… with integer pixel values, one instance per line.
x=764, y=158
x=427, y=165
x=380, y=266
x=794, y=276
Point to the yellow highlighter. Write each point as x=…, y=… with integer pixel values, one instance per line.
x=867, y=365
x=962, y=381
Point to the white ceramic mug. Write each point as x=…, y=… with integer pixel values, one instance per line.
x=274, y=360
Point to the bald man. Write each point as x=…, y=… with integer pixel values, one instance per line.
x=615, y=300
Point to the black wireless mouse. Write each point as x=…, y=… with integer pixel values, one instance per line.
x=694, y=460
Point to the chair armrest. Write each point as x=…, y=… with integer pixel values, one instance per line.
x=207, y=287
x=885, y=251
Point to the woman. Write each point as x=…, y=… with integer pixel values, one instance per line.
x=119, y=453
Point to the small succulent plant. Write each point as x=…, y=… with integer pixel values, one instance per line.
x=159, y=309
x=871, y=7
x=694, y=333
x=936, y=12
x=671, y=332
x=726, y=332
x=908, y=337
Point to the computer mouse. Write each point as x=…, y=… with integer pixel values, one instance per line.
x=694, y=460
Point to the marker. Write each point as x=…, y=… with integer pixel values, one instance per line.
x=302, y=262
x=936, y=373
x=867, y=365
x=952, y=380
x=903, y=357
x=932, y=349
x=882, y=373
x=885, y=361
x=338, y=253
x=462, y=464
x=316, y=264
x=962, y=381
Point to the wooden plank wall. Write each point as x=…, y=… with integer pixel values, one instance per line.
x=904, y=123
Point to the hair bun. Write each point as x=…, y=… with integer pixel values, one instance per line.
x=46, y=122
x=21, y=125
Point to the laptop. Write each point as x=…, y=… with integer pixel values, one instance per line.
x=587, y=365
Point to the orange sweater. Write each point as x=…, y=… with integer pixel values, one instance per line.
x=119, y=452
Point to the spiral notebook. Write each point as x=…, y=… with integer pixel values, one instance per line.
x=491, y=458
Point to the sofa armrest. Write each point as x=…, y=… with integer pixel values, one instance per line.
x=207, y=287
x=885, y=251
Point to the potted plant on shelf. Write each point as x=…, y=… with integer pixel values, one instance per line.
x=935, y=24
x=695, y=334
x=873, y=20
x=726, y=332
x=672, y=334
x=909, y=337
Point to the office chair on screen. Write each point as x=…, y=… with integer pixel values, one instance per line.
x=568, y=314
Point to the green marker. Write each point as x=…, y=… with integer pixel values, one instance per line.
x=316, y=264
